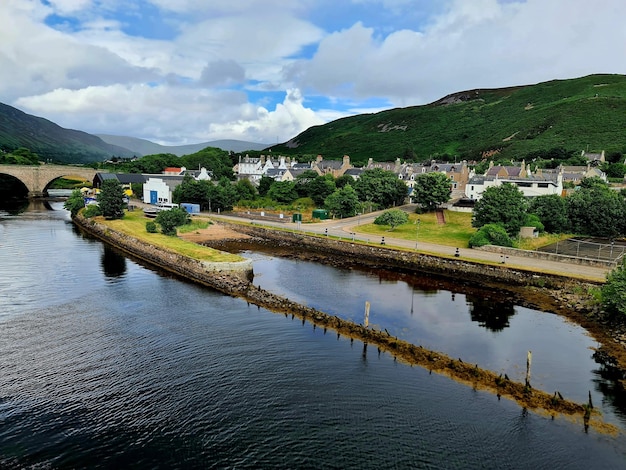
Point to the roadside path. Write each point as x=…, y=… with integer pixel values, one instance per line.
x=348, y=229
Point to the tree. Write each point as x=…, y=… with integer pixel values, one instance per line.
x=504, y=204
x=431, y=189
x=111, y=199
x=320, y=188
x=224, y=196
x=265, y=183
x=170, y=219
x=613, y=292
x=283, y=192
x=74, y=203
x=393, y=218
x=245, y=190
x=343, y=202
x=614, y=170
x=215, y=160
x=343, y=180
x=596, y=210
x=552, y=212
x=381, y=187
x=302, y=182
x=20, y=156
x=153, y=163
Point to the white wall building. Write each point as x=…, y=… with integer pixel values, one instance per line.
x=530, y=186
x=159, y=189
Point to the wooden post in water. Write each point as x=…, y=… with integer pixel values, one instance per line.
x=529, y=358
x=366, y=321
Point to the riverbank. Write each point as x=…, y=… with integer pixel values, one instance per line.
x=412, y=354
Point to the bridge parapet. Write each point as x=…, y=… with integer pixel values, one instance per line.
x=36, y=178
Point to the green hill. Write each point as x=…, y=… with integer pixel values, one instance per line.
x=584, y=113
x=50, y=141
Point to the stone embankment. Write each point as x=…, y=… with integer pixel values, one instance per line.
x=375, y=256
x=225, y=277
x=236, y=282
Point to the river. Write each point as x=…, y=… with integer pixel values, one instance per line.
x=106, y=363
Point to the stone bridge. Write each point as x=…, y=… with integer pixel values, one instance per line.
x=37, y=178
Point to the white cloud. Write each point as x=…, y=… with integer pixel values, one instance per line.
x=475, y=44
x=163, y=114
x=98, y=72
x=286, y=121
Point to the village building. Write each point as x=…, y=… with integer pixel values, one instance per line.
x=531, y=184
x=336, y=168
x=594, y=159
x=158, y=189
x=253, y=168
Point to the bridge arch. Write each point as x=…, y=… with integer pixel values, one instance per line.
x=38, y=178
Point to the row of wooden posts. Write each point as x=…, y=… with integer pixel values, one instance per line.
x=529, y=359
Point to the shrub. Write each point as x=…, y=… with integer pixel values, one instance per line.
x=92, y=210
x=613, y=292
x=392, y=217
x=151, y=227
x=170, y=219
x=490, y=234
x=75, y=202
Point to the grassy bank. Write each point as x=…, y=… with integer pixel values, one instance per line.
x=134, y=225
x=456, y=232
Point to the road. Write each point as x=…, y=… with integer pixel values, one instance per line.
x=348, y=229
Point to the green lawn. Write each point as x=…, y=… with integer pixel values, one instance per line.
x=455, y=232
x=134, y=224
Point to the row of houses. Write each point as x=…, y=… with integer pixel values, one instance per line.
x=464, y=182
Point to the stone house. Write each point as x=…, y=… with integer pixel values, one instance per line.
x=331, y=167
x=458, y=174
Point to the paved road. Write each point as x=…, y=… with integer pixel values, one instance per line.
x=348, y=229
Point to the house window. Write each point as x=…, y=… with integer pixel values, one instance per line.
x=542, y=185
x=472, y=187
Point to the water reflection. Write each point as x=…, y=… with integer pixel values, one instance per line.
x=13, y=206
x=113, y=263
x=490, y=314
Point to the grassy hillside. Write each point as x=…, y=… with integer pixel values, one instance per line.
x=584, y=113
x=50, y=141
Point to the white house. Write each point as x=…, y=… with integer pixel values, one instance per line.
x=158, y=189
x=530, y=186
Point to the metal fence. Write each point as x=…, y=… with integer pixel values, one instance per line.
x=589, y=248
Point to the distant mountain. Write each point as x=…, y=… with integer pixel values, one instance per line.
x=145, y=147
x=585, y=113
x=50, y=141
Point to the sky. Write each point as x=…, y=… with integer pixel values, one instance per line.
x=188, y=71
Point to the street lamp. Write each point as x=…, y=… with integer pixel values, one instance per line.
x=417, y=229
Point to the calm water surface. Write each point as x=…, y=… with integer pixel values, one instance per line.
x=105, y=363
